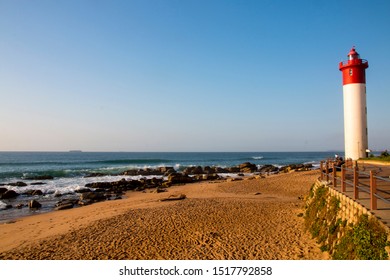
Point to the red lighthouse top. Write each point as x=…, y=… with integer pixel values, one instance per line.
x=354, y=69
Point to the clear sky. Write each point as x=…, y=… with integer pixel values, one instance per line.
x=187, y=75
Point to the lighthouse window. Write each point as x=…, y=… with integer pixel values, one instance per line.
x=350, y=72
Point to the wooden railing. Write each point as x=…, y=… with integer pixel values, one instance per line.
x=348, y=175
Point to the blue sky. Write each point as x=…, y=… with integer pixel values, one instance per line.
x=154, y=75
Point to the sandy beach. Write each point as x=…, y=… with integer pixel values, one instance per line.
x=221, y=220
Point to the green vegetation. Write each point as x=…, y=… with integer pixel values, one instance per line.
x=364, y=240
x=384, y=156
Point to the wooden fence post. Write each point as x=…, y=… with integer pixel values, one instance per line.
x=334, y=176
x=327, y=170
x=322, y=170
x=355, y=183
x=342, y=178
x=373, y=198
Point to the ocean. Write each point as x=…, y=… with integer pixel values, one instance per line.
x=67, y=172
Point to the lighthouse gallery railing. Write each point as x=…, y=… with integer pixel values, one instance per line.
x=349, y=176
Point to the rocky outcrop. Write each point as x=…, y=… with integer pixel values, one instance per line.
x=179, y=178
x=268, y=168
x=248, y=167
x=64, y=204
x=159, y=171
x=33, y=192
x=18, y=184
x=33, y=204
x=9, y=194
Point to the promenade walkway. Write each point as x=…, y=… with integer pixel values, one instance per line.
x=382, y=176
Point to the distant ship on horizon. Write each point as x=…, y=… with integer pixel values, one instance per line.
x=75, y=151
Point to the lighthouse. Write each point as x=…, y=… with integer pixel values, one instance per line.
x=355, y=109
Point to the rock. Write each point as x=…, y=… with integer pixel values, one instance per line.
x=210, y=177
x=166, y=184
x=268, y=168
x=94, y=175
x=92, y=197
x=64, y=206
x=131, y=172
x=9, y=194
x=160, y=190
x=3, y=190
x=193, y=170
x=173, y=197
x=99, y=185
x=166, y=170
x=18, y=184
x=179, y=178
x=37, y=183
x=37, y=192
x=33, y=204
x=233, y=169
x=33, y=192
x=248, y=167
x=220, y=170
x=84, y=190
x=19, y=206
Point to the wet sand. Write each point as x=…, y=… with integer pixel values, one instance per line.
x=248, y=219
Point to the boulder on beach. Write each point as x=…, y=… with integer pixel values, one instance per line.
x=63, y=205
x=179, y=178
x=33, y=192
x=9, y=194
x=268, y=168
x=247, y=167
x=92, y=196
x=193, y=170
x=18, y=184
x=33, y=204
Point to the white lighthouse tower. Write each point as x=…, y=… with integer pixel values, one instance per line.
x=355, y=110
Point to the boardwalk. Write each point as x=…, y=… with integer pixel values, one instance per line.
x=381, y=174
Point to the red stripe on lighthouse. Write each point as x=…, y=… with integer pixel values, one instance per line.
x=354, y=69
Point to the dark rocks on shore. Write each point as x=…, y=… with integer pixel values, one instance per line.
x=84, y=190
x=94, y=175
x=18, y=184
x=65, y=204
x=37, y=183
x=33, y=192
x=179, y=178
x=121, y=185
x=9, y=194
x=101, y=191
x=248, y=167
x=159, y=171
x=91, y=197
x=33, y=204
x=268, y=168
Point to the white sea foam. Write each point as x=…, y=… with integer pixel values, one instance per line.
x=258, y=157
x=2, y=205
x=71, y=185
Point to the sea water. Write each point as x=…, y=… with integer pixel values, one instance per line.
x=69, y=170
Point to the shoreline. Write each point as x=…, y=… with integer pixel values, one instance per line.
x=38, y=195
x=210, y=222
